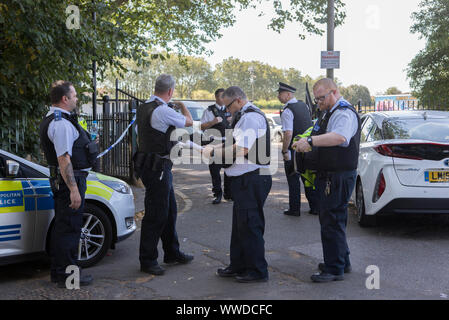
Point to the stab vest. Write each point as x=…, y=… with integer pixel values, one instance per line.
x=80, y=152
x=224, y=124
x=301, y=119
x=150, y=139
x=265, y=139
x=336, y=159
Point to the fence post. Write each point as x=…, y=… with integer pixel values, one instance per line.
x=132, y=139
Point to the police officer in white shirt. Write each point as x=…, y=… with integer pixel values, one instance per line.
x=156, y=120
x=66, y=148
x=251, y=182
x=215, y=122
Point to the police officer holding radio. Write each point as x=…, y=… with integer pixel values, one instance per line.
x=70, y=155
x=247, y=161
x=335, y=140
x=156, y=120
x=295, y=118
x=215, y=122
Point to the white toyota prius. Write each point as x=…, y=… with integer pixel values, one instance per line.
x=27, y=212
x=403, y=164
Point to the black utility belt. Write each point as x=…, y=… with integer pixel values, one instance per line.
x=251, y=173
x=55, y=173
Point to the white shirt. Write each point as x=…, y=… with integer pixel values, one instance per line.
x=164, y=116
x=250, y=127
x=344, y=122
x=62, y=133
x=208, y=115
x=287, y=117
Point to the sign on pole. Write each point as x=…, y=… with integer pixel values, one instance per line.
x=330, y=59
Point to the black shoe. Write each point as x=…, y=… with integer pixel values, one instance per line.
x=321, y=266
x=180, y=258
x=227, y=197
x=156, y=270
x=292, y=213
x=250, y=279
x=217, y=200
x=227, y=272
x=85, y=280
x=326, y=277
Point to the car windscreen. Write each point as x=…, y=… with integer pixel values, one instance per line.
x=420, y=129
x=196, y=113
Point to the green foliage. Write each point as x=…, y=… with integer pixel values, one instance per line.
x=429, y=70
x=354, y=93
x=393, y=91
x=37, y=48
x=268, y=104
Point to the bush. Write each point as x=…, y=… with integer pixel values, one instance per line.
x=268, y=104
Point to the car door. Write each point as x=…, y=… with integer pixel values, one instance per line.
x=17, y=213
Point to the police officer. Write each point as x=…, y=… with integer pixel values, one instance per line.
x=249, y=157
x=66, y=149
x=295, y=118
x=156, y=120
x=336, y=141
x=215, y=122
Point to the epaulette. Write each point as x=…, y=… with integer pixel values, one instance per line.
x=58, y=115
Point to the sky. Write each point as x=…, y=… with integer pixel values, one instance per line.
x=375, y=44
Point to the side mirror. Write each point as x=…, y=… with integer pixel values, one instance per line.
x=12, y=168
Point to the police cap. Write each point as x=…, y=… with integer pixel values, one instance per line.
x=286, y=87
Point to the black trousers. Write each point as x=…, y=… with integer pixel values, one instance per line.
x=66, y=232
x=159, y=221
x=214, y=170
x=334, y=218
x=249, y=193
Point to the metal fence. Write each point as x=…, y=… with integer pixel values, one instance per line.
x=405, y=106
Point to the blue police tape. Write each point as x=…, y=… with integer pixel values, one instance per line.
x=119, y=139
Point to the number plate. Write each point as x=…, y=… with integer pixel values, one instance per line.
x=440, y=176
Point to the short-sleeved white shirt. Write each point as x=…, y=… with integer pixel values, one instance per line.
x=164, y=116
x=61, y=133
x=250, y=127
x=287, y=117
x=208, y=115
x=343, y=122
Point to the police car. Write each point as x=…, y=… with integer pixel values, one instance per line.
x=27, y=212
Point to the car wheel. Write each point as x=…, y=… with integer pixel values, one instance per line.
x=96, y=236
x=278, y=137
x=362, y=218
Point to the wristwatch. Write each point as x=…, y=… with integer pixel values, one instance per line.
x=309, y=140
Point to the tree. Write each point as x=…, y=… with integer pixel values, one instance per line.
x=355, y=93
x=38, y=45
x=429, y=70
x=393, y=91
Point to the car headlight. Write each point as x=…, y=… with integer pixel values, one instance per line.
x=117, y=186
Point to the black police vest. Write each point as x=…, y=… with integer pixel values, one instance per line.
x=223, y=125
x=150, y=139
x=80, y=152
x=253, y=153
x=336, y=159
x=301, y=120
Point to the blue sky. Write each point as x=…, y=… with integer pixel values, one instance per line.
x=375, y=43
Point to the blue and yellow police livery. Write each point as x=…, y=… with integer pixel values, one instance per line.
x=27, y=212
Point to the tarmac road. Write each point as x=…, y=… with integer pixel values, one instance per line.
x=411, y=253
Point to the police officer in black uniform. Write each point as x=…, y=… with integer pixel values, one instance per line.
x=296, y=119
x=215, y=122
x=156, y=120
x=335, y=143
x=70, y=155
x=247, y=161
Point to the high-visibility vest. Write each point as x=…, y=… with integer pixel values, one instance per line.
x=309, y=175
x=83, y=123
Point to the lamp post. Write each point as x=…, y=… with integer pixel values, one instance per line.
x=330, y=32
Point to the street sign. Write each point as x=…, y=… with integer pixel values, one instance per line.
x=330, y=59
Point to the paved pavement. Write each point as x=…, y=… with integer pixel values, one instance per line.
x=410, y=252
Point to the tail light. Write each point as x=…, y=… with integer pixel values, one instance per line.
x=380, y=186
x=396, y=151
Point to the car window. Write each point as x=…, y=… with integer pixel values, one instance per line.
x=366, y=129
x=24, y=170
x=420, y=129
x=196, y=113
x=375, y=134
